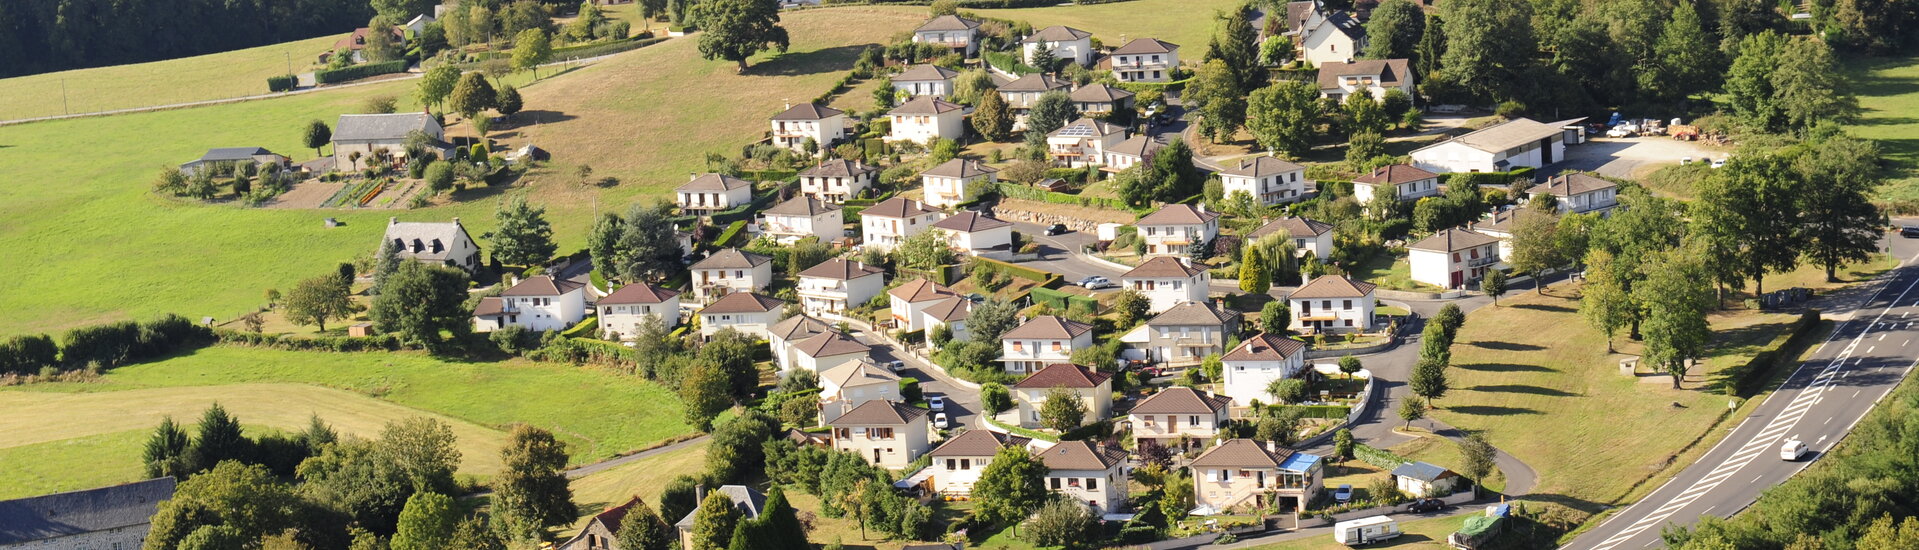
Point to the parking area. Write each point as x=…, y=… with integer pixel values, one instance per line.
x=1633, y=157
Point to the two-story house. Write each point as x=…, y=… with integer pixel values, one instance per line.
x=1452, y=258
x=1184, y=334
x=950, y=313
x=803, y=217
x=1323, y=35
x=746, y=312
x=836, y=285
x=836, y=180
x=925, y=79
x=1241, y=474
x=1042, y=341
x=1093, y=388
x=1100, y=100
x=1499, y=225
x=1125, y=154
x=784, y=338
x=708, y=193
x=1175, y=229
x=1093, y=473
x=926, y=118
x=432, y=243
x=1082, y=142
x=1065, y=43
x=974, y=233
x=856, y=382
x=824, y=351
x=1403, y=182
x=1520, y=142
x=1257, y=362
x=1145, y=60
x=951, y=31
x=537, y=303
x=888, y=434
x=1167, y=282
x=621, y=311
x=730, y=270
x=889, y=223
x=910, y=299
x=956, y=182
x=1578, y=193
x=1309, y=236
x=805, y=122
x=1023, y=92
x=1339, y=80
x=1332, y=303
x=958, y=462
x=1180, y=417
x=1267, y=179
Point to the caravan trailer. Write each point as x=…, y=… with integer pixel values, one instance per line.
x=1365, y=530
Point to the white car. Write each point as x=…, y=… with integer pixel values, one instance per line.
x=1343, y=493
x=895, y=365
x=1793, y=450
x=1718, y=163
x=939, y=421
x=936, y=402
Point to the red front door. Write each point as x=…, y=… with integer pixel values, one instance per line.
x=1459, y=279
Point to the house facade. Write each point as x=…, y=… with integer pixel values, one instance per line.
x=1266, y=179
x=1257, y=362
x=888, y=434
x=358, y=140
x=1517, y=143
x=622, y=311
x=854, y=383
x=974, y=233
x=603, y=531
x=1184, y=334
x=1241, y=474
x=538, y=303
x=1403, y=182
x=834, y=286
x=836, y=180
x=1092, y=473
x=908, y=301
x=1332, y=303
x=1421, y=479
x=1323, y=35
x=827, y=351
x=225, y=160
x=784, y=338
x=1578, y=193
x=892, y=221
x=1175, y=229
x=958, y=462
x=798, y=124
x=1309, y=236
x=1042, y=341
x=1339, y=80
x=107, y=517
x=1452, y=258
x=1100, y=100
x=951, y=31
x=746, y=499
x=1145, y=60
x=1127, y=153
x=1063, y=42
x=432, y=243
x=956, y=182
x=1093, y=388
x=925, y=80
x=926, y=118
x=1082, y=142
x=710, y=192
x=950, y=313
x=746, y=312
x=728, y=271
x=1179, y=416
x=1023, y=92
x=803, y=217
x=1168, y=282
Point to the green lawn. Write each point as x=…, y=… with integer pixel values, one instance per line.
x=644, y=478
x=1188, y=23
x=599, y=414
x=1888, y=91
x=211, y=76
x=1391, y=273
x=1424, y=533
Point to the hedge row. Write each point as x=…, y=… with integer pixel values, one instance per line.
x=1499, y=179
x=1020, y=271
x=607, y=48
x=360, y=71
x=1006, y=61
x=282, y=83
x=586, y=328
x=840, y=86
x=583, y=351
x=1378, y=457
x=383, y=342
x=1063, y=301
x=978, y=4
x=732, y=231
x=1137, y=87
x=1335, y=412
x=1012, y=190
x=105, y=346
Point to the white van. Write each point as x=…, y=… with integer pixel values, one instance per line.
x=1793, y=450
x=1365, y=530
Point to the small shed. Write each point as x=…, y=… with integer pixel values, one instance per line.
x=1421, y=479
x=360, y=330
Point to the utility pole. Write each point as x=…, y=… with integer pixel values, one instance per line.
x=63, y=97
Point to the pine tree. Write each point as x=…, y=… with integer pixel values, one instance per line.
x=166, y=451
x=993, y=119
x=385, y=264
x=220, y=439
x=1253, y=273
x=643, y=529
x=714, y=522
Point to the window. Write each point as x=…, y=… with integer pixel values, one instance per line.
x=1455, y=256
x=952, y=464
x=1192, y=420
x=1054, y=482
x=1349, y=322
x=1056, y=346
x=1475, y=253
x=1092, y=484
x=1018, y=346
x=1176, y=285
x=1346, y=304
x=1326, y=304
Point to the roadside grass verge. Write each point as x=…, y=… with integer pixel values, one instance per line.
x=212, y=76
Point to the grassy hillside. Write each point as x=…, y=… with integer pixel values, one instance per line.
x=1889, y=94
x=212, y=76
x=1188, y=23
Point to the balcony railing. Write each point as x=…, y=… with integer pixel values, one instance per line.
x=1482, y=261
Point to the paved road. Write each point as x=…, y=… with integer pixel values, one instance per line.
x=1866, y=356
x=962, y=403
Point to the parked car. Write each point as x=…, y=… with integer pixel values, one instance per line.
x=1095, y=282
x=975, y=298
x=895, y=365
x=936, y=402
x=1793, y=450
x=1425, y=505
x=1718, y=162
x=1909, y=231
x=1343, y=493
x=1152, y=371
x=939, y=421
x=1057, y=229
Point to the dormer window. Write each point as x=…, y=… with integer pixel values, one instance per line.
x=417, y=247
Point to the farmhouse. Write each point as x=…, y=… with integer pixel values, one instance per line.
x=836, y=285
x=1044, y=340
x=1167, y=282
x=1578, y=193
x=958, y=462
x=1339, y=80
x=926, y=118
x=802, y=217
x=1179, y=417
x=888, y=434
x=974, y=233
x=538, y=303
x=621, y=311
x=1267, y=179
x=1094, y=389
x=1087, y=472
x=1062, y=42
x=730, y=270
x=956, y=182
x=360, y=140
x=742, y=311
x=1517, y=143
x=1402, y=182
x=1452, y=258
x=1145, y=60
x=226, y=159
x=925, y=79
x=433, y=243
x=1183, y=334
x=1082, y=142
x=1259, y=361
x=603, y=531
x=951, y=31
x=1175, y=229
x=710, y=192
x=1309, y=236
x=107, y=517
x=1242, y=474
x=892, y=221
x=805, y=122
x=836, y=180
x=1332, y=303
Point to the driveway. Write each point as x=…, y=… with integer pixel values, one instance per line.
x=962, y=403
x=1627, y=157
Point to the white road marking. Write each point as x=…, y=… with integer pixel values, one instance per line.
x=1869, y=350
x=1882, y=337
x=1828, y=420
x=1755, y=479
x=1855, y=393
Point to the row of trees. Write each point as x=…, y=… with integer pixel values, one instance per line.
x=101, y=346
x=73, y=34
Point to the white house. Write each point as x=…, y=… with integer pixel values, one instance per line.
x=974, y=233
x=1063, y=42
x=746, y=312
x=853, y=383
x=728, y=271
x=1332, y=303
x=889, y=223
x=828, y=350
x=432, y=243
x=1179, y=414
x=1023, y=92
x=909, y=300
x=888, y=434
x=1127, y=153
x=796, y=125
x=1452, y=258
x=956, y=182
x=802, y=217
x=783, y=338
x=1183, y=335
x=1405, y=182
x=925, y=118
x=1082, y=142
x=1342, y=79
x=951, y=31
x=705, y=193
x=1257, y=362
x=1309, y=236
x=958, y=462
x=834, y=286
x=1421, y=479
x=925, y=79
x=1042, y=341
x=1324, y=35
x=538, y=303
x=1092, y=473
x=836, y=180
x=1521, y=142
x=1093, y=388
x=1578, y=193
x=1499, y=225
x=1168, y=281
x=359, y=139
x=1101, y=100
x=1267, y=179
x=621, y=311
x=1241, y=475
x=950, y=313
x=1175, y=229
x=1145, y=60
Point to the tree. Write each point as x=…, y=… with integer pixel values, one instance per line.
x=1363, y=147
x=316, y=136
x=706, y=392
x=1604, y=301
x=1288, y=390
x=643, y=529
x=1060, y=522
x=523, y=236
x=1343, y=444
x=1676, y=297
x=1254, y=276
x=1450, y=318
x=1841, y=222
x=993, y=119
x=380, y=44
x=1010, y=487
x=243, y=500
x=1431, y=48
x=736, y=29
x=510, y=101
x=1748, y=219
x=714, y=522
x=357, y=479
x=1494, y=284
x=1396, y=26
x=437, y=83
x=1535, y=245
x=1429, y=379
x=1275, y=317
x=318, y=300
x=807, y=253
x=472, y=533
x=531, y=48
x=1366, y=114
x=1132, y=306
x=1882, y=533
x=995, y=397
x=1349, y=365
x=646, y=248
x=1749, y=82
x=401, y=10
x=427, y=522
x=1236, y=45
x=1686, y=61
x=1477, y=458
x=1063, y=410
x=944, y=7
x=531, y=493
x=471, y=95
x=1489, y=44
x=166, y=451
x=1412, y=408
x=419, y=301
x=925, y=251
x=990, y=319
x=1281, y=116
x=1811, y=87
x=425, y=449
x=1215, y=93
x=779, y=526
x=1053, y=110
x=438, y=176
x=219, y=440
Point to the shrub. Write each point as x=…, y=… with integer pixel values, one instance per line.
x=282, y=83
x=27, y=354
x=360, y=71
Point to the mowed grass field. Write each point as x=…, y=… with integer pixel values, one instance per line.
x=1888, y=90
x=212, y=76
x=599, y=414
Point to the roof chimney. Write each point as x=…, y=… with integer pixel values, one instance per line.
x=690, y=176
x=1272, y=446
x=789, y=103
x=393, y=220
x=699, y=495
x=456, y=220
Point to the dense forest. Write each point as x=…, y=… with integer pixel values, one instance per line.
x=38, y=36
